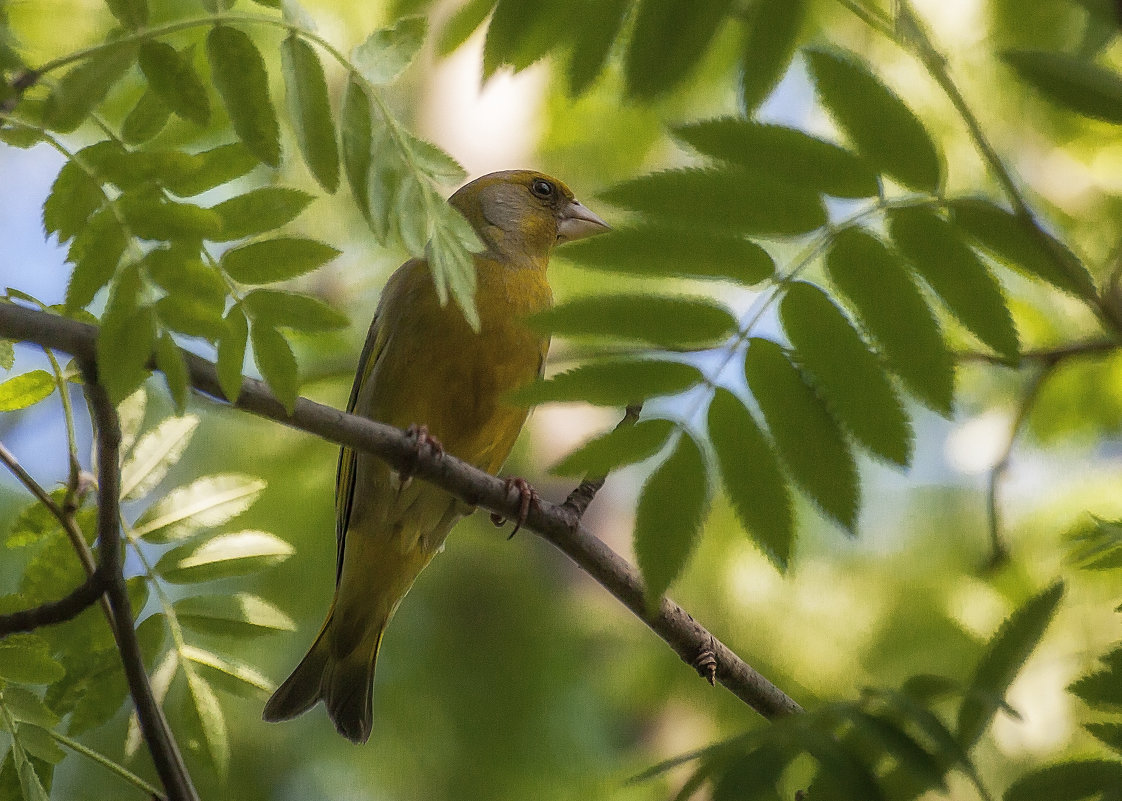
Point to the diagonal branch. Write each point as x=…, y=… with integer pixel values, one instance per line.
x=66, y=608
x=688, y=638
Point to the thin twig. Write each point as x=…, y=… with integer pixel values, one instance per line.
x=66, y=608
x=1046, y=356
x=680, y=631
x=579, y=499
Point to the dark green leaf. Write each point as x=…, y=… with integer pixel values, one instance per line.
x=179, y=271
x=387, y=52
x=1071, y=81
x=146, y=119
x=239, y=74
x=208, y=169
x=847, y=375
x=292, y=310
x=1097, y=544
x=310, y=110
x=259, y=210
x=956, y=274
x=668, y=40
x=612, y=383
x=626, y=444
x=1100, y=688
x=171, y=75
x=672, y=507
x=773, y=33
x=1068, y=781
x=671, y=322
x=601, y=21
x=876, y=120
x=657, y=250
x=236, y=554
x=132, y=14
x=83, y=88
x=1004, y=655
x=895, y=314
x=95, y=252
x=787, y=155
x=750, y=471
x=729, y=201
x=272, y=260
x=1108, y=733
x=523, y=31
x=74, y=196
x=275, y=360
x=806, y=436
x=462, y=24
x=918, y=769
x=231, y=353
x=239, y=615
x=126, y=337
x=25, y=658
x=355, y=130
x=150, y=216
x=169, y=361
x=1017, y=242
x=193, y=316
x=21, y=391
x=206, y=502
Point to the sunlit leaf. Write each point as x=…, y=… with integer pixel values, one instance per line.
x=463, y=22
x=25, y=390
x=274, y=358
x=231, y=352
x=130, y=412
x=612, y=383
x=238, y=615
x=260, y=210
x=672, y=322
x=231, y=675
x=310, y=110
x=204, y=503
x=773, y=33
x=95, y=253
x=74, y=196
x=270, y=260
x=1070, y=81
x=292, y=310
x=667, y=42
x=238, y=71
x=208, y=712
x=169, y=361
x=154, y=454
x=85, y=85
x=151, y=216
x=171, y=75
x=388, y=52
x=626, y=444
x=236, y=554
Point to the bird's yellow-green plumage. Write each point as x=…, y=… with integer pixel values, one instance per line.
x=423, y=365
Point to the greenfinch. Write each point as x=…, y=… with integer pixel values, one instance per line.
x=423, y=367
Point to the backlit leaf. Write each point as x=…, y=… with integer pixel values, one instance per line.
x=126, y=337
x=522, y=32
x=355, y=131
x=463, y=22
x=292, y=310
x=154, y=454
x=204, y=503
x=74, y=196
x=626, y=444
x=95, y=253
x=171, y=75
x=25, y=390
x=228, y=674
x=231, y=352
x=259, y=210
x=85, y=85
x=169, y=361
x=1071, y=81
x=667, y=42
x=384, y=182
x=616, y=382
x=271, y=260
x=146, y=119
x=238, y=71
x=27, y=707
x=132, y=14
x=236, y=554
x=388, y=52
x=209, y=716
x=773, y=33
x=310, y=110
x=277, y=363
x=601, y=22
x=671, y=322
x=238, y=615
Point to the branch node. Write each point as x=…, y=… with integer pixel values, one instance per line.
x=705, y=663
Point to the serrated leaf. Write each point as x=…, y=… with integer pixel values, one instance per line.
x=450, y=259
x=292, y=310
x=956, y=274
x=1016, y=242
x=615, y=382
x=1109, y=734
x=171, y=75
x=151, y=216
x=238, y=71
x=626, y=444
x=30, y=784
x=178, y=270
x=411, y=212
x=272, y=260
x=846, y=373
x=787, y=155
x=601, y=21
x=463, y=22
x=27, y=707
x=874, y=118
x=387, y=52
x=74, y=196
x=522, y=32
x=728, y=200
x=671, y=322
x=753, y=480
x=433, y=161
x=356, y=134
x=95, y=253
x=239, y=615
x=892, y=310
x=806, y=437
x=1071, y=82
x=21, y=391
x=132, y=14
x=193, y=316
x=1097, y=544
x=210, y=168
x=231, y=353
x=204, y=503
x=310, y=110
x=25, y=658
x=260, y=210
x=126, y=337
x=85, y=85
x=160, y=678
x=773, y=33
x=130, y=412
x=169, y=361
x=660, y=251
x=277, y=364
x=154, y=454
x=1003, y=657
x=1067, y=781
x=1100, y=688
x=228, y=674
x=226, y=555
x=667, y=42
x=384, y=189
x=146, y=119
x=208, y=712
x=672, y=507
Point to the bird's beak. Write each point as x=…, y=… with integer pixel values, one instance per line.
x=577, y=222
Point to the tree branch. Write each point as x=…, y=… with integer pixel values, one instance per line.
x=66, y=608
x=689, y=639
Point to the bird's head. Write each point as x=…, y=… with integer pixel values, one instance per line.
x=522, y=213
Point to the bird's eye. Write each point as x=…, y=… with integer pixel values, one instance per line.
x=542, y=188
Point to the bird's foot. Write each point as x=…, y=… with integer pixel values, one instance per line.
x=422, y=441
x=528, y=497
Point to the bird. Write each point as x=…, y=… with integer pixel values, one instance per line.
x=423, y=368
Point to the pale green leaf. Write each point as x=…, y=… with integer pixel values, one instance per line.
x=670, y=322
x=146, y=119
x=238, y=615
x=356, y=134
x=85, y=85
x=95, y=253
x=160, y=678
x=238, y=71
x=171, y=75
x=236, y=554
x=126, y=337
x=210, y=168
x=292, y=310
x=1071, y=81
x=37, y=742
x=74, y=196
x=412, y=212
x=452, y=266
x=169, y=361
x=384, y=188
x=310, y=110
x=769, y=44
x=626, y=444
x=154, y=454
x=231, y=353
x=179, y=270
x=387, y=52
x=130, y=412
x=231, y=675
x=271, y=260
x=208, y=712
x=277, y=363
x=27, y=707
x=25, y=390
x=204, y=503
x=433, y=161
x=30, y=784
x=259, y=210
x=616, y=382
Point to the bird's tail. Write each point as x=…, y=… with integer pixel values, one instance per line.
x=342, y=677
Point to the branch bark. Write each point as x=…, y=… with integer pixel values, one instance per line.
x=555, y=523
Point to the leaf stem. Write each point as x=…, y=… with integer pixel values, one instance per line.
x=106, y=763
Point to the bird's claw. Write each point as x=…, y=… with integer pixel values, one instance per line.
x=528, y=497
x=422, y=440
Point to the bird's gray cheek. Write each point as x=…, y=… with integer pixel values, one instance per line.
x=499, y=210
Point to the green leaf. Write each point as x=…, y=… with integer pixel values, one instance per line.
x=193, y=316
x=411, y=211
x=667, y=42
x=672, y=507
x=433, y=161
x=208, y=713
x=659, y=251
x=463, y=22
x=773, y=33
x=126, y=337
x=626, y=444
x=154, y=454
x=387, y=52
x=146, y=119
x=130, y=412
x=37, y=742
x=1097, y=545
x=806, y=436
x=522, y=32
x=1071, y=82
x=7, y=354
x=1109, y=734
x=231, y=353
x=615, y=382
x=1003, y=657
x=83, y=88
x=753, y=480
x=601, y=22
x=259, y=210
x=209, y=169
x=238, y=71
x=1016, y=242
x=956, y=274
x=25, y=390
x=169, y=361
x=179, y=270
x=27, y=707
x=25, y=658
x=74, y=196
x=277, y=364
x=204, y=503
x=171, y=75
x=875, y=119
x=1068, y=781
x=846, y=373
x=223, y=556
x=672, y=322
x=786, y=155
x=310, y=110
x=1100, y=688
x=272, y=260
x=356, y=133
x=151, y=216
x=895, y=314
x=30, y=785
x=450, y=259
x=239, y=615
x=132, y=14
x=234, y=676
x=292, y=310
x=95, y=253
x=728, y=200
x=388, y=172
